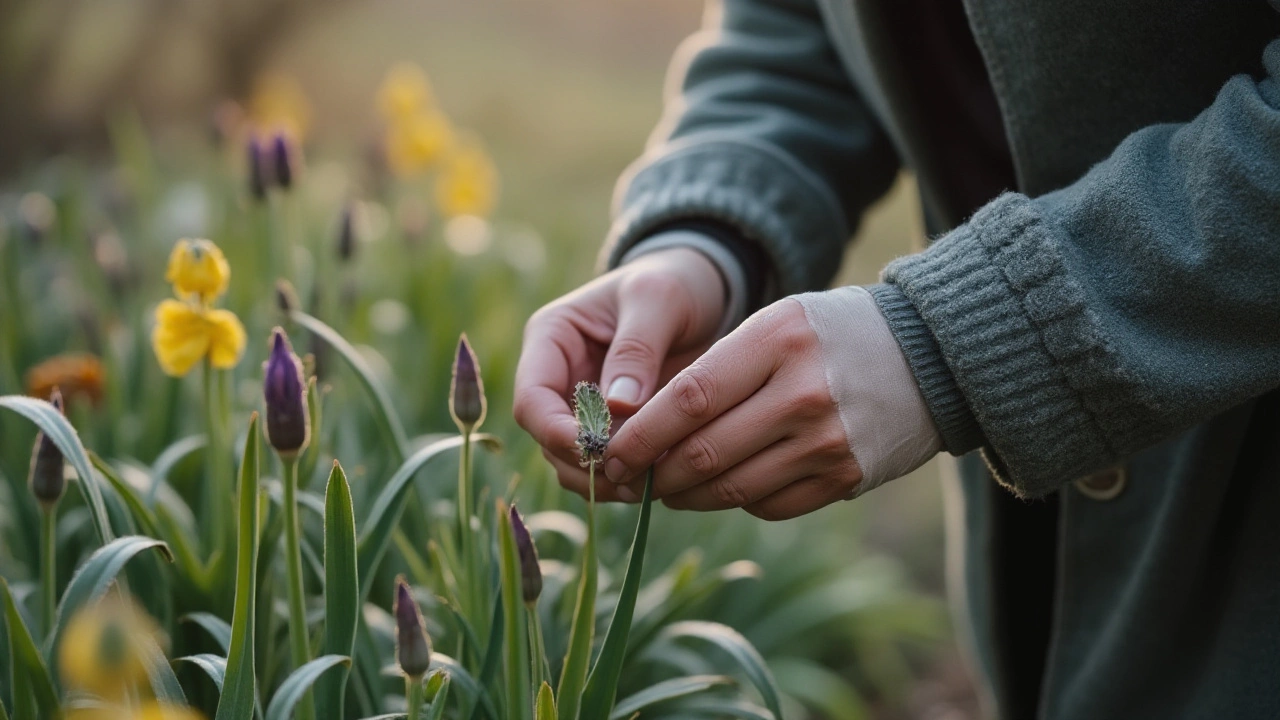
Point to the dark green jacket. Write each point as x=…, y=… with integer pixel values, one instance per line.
x=1119, y=312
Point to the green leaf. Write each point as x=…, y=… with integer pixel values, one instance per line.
x=97, y=573
x=664, y=691
x=240, y=693
x=545, y=708
x=4, y=714
x=28, y=665
x=59, y=430
x=474, y=691
x=168, y=459
x=215, y=666
x=439, y=700
x=341, y=593
x=295, y=686
x=217, y=628
x=737, y=647
x=164, y=684
x=577, y=659
x=833, y=696
x=387, y=508
x=516, y=664
x=602, y=685
x=384, y=412
x=142, y=514
x=722, y=709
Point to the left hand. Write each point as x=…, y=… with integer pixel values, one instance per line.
x=750, y=424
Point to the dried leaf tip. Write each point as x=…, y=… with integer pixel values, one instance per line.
x=413, y=646
x=592, y=413
x=467, y=403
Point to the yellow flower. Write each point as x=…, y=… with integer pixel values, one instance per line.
x=404, y=93
x=279, y=103
x=185, y=334
x=414, y=144
x=103, y=648
x=468, y=181
x=197, y=267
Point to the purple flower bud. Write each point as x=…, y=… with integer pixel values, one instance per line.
x=413, y=646
x=258, y=179
x=283, y=160
x=530, y=573
x=466, y=394
x=288, y=424
x=347, y=233
x=46, y=479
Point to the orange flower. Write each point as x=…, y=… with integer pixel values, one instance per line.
x=76, y=374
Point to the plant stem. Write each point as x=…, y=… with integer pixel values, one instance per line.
x=298, y=638
x=473, y=600
x=414, y=696
x=48, y=565
x=541, y=669
x=216, y=489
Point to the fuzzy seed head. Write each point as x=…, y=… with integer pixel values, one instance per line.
x=592, y=413
x=413, y=646
x=45, y=478
x=467, y=403
x=530, y=573
x=288, y=423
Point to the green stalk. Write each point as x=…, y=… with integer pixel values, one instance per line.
x=216, y=489
x=541, y=668
x=299, y=643
x=413, y=695
x=473, y=601
x=48, y=566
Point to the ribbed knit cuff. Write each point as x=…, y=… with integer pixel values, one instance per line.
x=1018, y=338
x=760, y=193
x=950, y=411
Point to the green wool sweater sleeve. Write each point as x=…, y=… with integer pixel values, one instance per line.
x=1088, y=323
x=766, y=135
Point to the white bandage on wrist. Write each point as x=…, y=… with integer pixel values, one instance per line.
x=885, y=418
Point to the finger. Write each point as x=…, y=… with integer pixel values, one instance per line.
x=653, y=314
x=754, y=479
x=730, y=372
x=802, y=497
x=743, y=431
x=553, y=355
x=576, y=479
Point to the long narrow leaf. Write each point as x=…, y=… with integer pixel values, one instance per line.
x=94, y=577
x=215, y=666
x=602, y=685
x=664, y=691
x=737, y=647
x=387, y=508
x=467, y=682
x=168, y=459
x=439, y=700
x=384, y=412
x=295, y=686
x=516, y=662
x=341, y=594
x=545, y=707
x=239, y=695
x=27, y=664
x=59, y=430
x=217, y=628
x=573, y=675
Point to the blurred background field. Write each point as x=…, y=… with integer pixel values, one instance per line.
x=563, y=93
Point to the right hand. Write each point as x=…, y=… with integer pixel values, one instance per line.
x=630, y=330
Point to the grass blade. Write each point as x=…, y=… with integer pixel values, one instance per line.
x=27, y=664
x=384, y=516
x=479, y=697
x=240, y=693
x=545, y=708
x=215, y=666
x=295, y=686
x=602, y=685
x=94, y=577
x=59, y=430
x=439, y=699
x=341, y=594
x=516, y=664
x=573, y=676
x=664, y=691
x=217, y=628
x=737, y=647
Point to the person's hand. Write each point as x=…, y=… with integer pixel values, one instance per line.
x=630, y=330
x=750, y=424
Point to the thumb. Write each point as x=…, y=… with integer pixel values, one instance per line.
x=644, y=336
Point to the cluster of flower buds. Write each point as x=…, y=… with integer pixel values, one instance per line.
x=274, y=161
x=413, y=645
x=46, y=476
x=288, y=423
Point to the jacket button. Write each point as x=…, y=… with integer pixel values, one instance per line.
x=1104, y=484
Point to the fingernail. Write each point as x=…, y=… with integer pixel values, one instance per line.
x=625, y=389
x=615, y=470
x=626, y=494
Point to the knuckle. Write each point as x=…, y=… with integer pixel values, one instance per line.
x=769, y=512
x=728, y=492
x=701, y=456
x=633, y=350
x=651, y=284
x=693, y=394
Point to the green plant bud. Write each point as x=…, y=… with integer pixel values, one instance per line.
x=592, y=414
x=46, y=479
x=413, y=646
x=467, y=403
